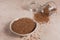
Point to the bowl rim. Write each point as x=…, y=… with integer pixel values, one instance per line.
x=18, y=33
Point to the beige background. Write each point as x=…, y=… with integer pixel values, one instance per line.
x=11, y=9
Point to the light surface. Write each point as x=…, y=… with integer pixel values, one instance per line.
x=11, y=9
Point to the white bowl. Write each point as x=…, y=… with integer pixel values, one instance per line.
x=18, y=33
